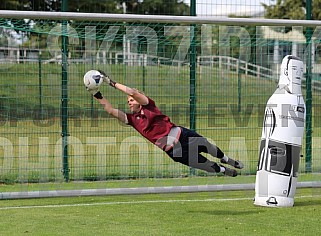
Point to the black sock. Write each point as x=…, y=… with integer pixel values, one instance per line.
x=216, y=167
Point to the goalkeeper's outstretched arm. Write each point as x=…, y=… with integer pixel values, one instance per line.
x=120, y=115
x=137, y=95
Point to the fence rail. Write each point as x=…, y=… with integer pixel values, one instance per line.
x=18, y=55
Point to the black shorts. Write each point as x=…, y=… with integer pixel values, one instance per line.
x=189, y=147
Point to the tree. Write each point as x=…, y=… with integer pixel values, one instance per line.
x=9, y=4
x=156, y=7
x=151, y=7
x=285, y=9
x=292, y=9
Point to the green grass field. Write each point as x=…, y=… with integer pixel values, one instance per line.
x=203, y=213
x=207, y=213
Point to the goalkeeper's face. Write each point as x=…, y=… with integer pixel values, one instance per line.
x=134, y=106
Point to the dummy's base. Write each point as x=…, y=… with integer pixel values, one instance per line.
x=271, y=201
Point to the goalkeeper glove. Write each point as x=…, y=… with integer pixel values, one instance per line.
x=107, y=79
x=95, y=92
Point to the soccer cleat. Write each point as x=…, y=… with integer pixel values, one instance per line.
x=239, y=165
x=234, y=163
x=229, y=172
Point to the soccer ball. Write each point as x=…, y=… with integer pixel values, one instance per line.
x=93, y=79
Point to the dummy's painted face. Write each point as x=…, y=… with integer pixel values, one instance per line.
x=291, y=74
x=134, y=106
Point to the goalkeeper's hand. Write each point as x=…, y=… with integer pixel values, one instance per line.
x=95, y=92
x=92, y=91
x=107, y=79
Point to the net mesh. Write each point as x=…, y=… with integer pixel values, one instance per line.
x=236, y=72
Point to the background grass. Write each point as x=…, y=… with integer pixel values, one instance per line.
x=31, y=144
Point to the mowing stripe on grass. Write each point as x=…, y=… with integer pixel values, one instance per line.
x=137, y=202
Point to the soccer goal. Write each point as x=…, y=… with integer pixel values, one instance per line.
x=213, y=75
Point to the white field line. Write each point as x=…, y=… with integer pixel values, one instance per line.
x=136, y=202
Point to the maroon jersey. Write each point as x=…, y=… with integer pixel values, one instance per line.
x=151, y=123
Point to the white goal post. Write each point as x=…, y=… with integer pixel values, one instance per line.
x=155, y=18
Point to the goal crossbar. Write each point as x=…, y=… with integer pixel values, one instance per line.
x=104, y=17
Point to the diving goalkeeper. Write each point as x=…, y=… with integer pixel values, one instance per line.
x=181, y=144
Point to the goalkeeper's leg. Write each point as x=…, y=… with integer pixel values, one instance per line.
x=202, y=163
x=207, y=147
x=235, y=163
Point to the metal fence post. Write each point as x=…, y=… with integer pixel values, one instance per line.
x=193, y=58
x=308, y=150
x=64, y=94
